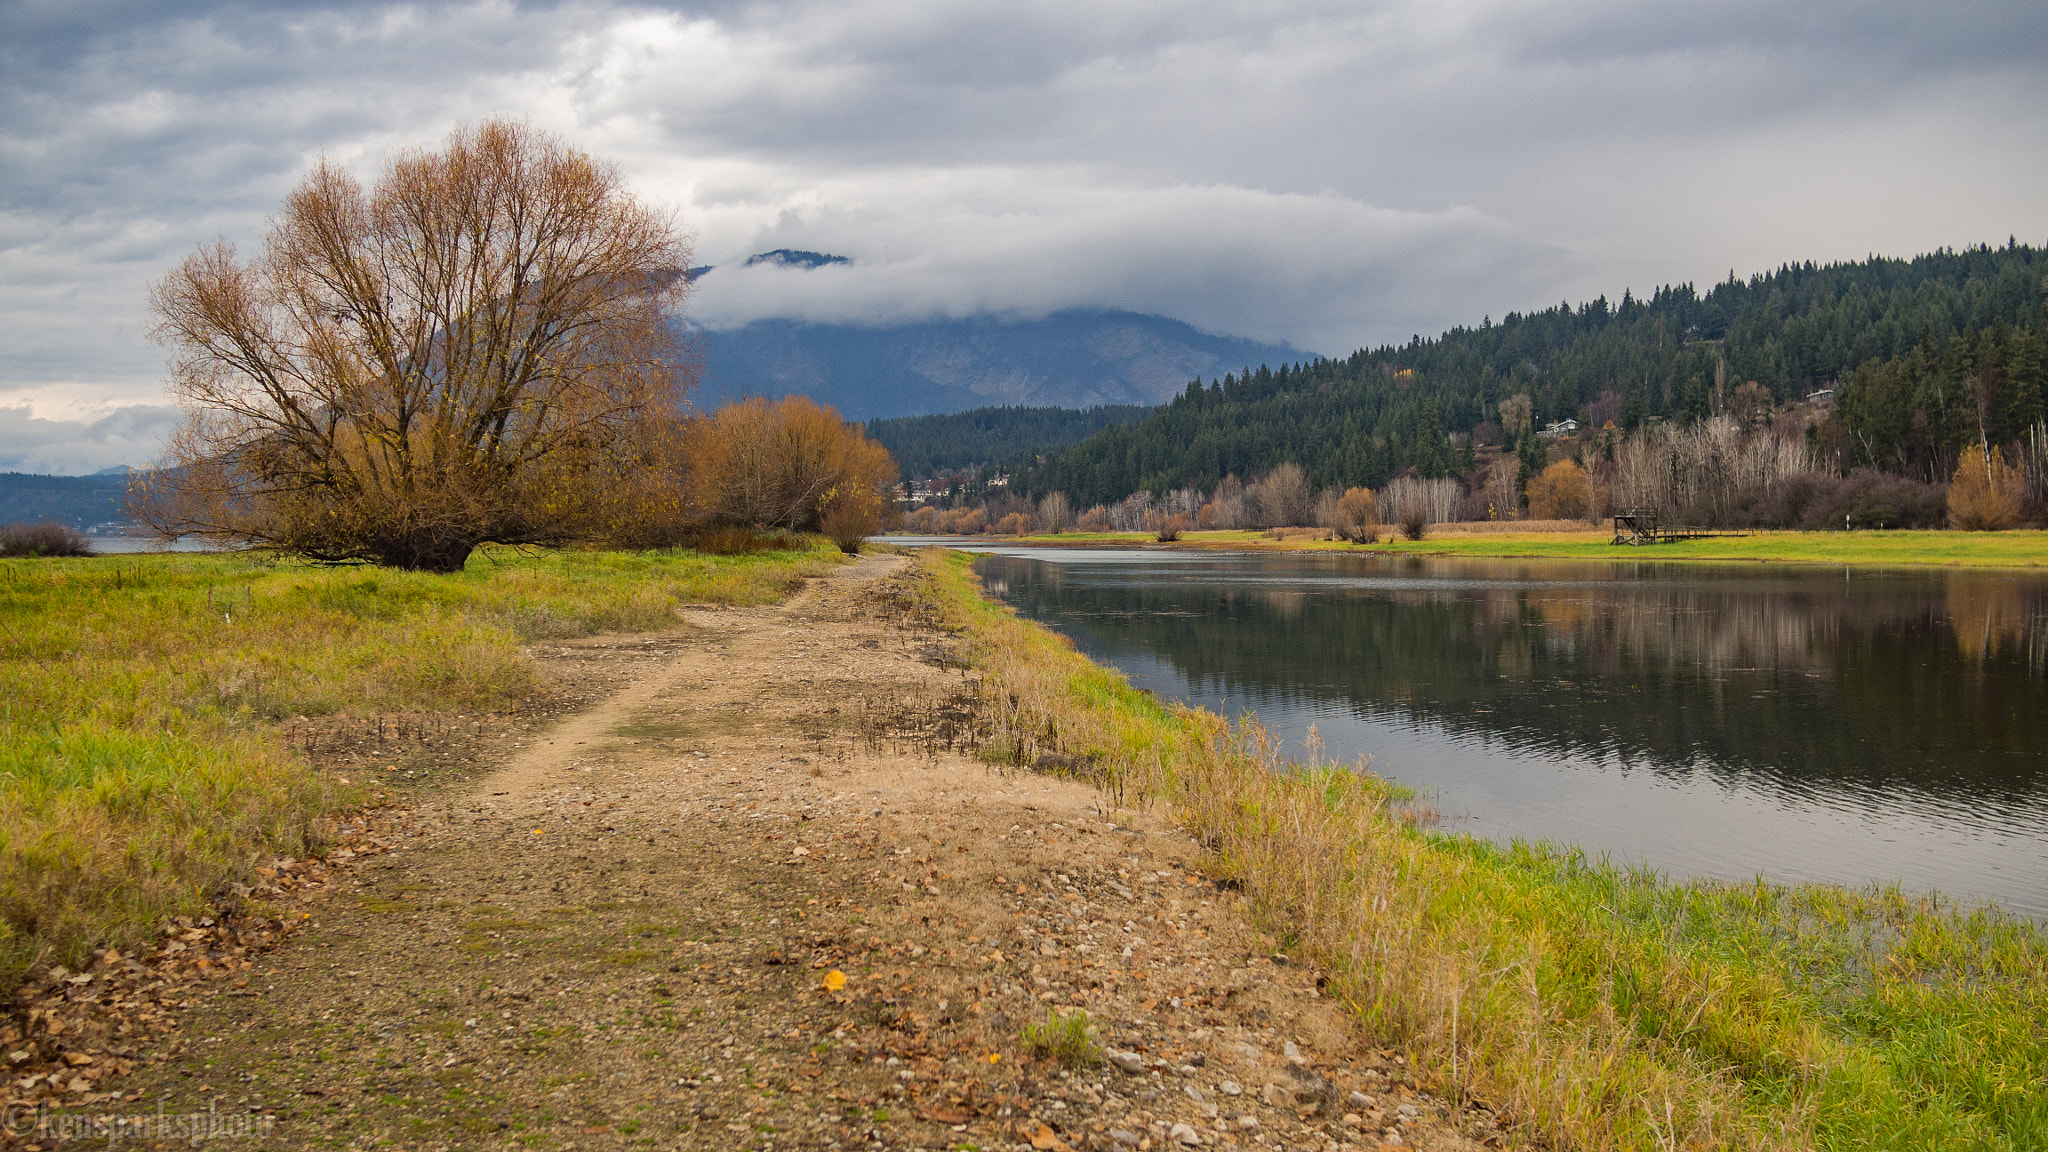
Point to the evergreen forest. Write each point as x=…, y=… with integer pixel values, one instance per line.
x=930, y=445
x=1926, y=356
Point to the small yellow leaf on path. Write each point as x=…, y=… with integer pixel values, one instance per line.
x=835, y=980
x=536, y=832
x=995, y=1057
x=1045, y=1138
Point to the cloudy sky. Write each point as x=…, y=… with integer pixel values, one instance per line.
x=1330, y=173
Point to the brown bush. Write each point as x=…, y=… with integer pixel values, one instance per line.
x=645, y=479
x=789, y=464
x=1015, y=524
x=459, y=355
x=1095, y=519
x=964, y=522
x=1169, y=528
x=1865, y=498
x=922, y=521
x=1357, y=516
x=1986, y=494
x=1562, y=491
x=48, y=538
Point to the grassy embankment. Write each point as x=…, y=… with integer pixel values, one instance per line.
x=140, y=763
x=1608, y=1008
x=2016, y=549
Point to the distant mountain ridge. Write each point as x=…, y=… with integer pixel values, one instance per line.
x=1081, y=358
x=80, y=501
x=795, y=258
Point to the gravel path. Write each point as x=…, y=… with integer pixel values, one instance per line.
x=632, y=934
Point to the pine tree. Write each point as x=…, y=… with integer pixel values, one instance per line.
x=2022, y=407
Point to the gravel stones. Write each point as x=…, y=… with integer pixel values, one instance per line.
x=662, y=960
x=1129, y=1062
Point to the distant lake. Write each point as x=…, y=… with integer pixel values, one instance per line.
x=1798, y=723
x=124, y=545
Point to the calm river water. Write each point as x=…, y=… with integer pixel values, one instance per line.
x=1797, y=723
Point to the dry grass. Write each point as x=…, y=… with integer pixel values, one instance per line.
x=1067, y=1038
x=141, y=765
x=1607, y=1009
x=1515, y=527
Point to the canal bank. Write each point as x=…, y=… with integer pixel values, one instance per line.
x=735, y=878
x=2019, y=548
x=1610, y=1008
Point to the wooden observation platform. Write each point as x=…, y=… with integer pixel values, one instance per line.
x=1639, y=526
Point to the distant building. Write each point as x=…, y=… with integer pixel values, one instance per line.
x=1820, y=394
x=1561, y=428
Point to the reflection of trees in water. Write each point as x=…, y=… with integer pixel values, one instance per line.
x=1998, y=617
x=1934, y=683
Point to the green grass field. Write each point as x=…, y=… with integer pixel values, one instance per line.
x=1603, y=1008
x=140, y=763
x=2026, y=548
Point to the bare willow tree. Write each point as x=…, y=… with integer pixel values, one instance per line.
x=453, y=357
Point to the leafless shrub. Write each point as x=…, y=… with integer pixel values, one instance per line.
x=1226, y=507
x=1404, y=498
x=1701, y=473
x=1133, y=513
x=1281, y=498
x=48, y=538
x=1055, y=515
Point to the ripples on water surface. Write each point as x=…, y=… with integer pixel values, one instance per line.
x=1724, y=720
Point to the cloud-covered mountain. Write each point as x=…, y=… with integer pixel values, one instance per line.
x=1073, y=359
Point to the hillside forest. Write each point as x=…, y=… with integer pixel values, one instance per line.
x=1843, y=395
x=930, y=446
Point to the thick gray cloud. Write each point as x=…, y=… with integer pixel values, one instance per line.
x=1330, y=174
x=131, y=434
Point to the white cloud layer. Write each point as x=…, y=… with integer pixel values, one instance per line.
x=130, y=434
x=1329, y=174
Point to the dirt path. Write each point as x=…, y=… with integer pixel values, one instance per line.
x=627, y=935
